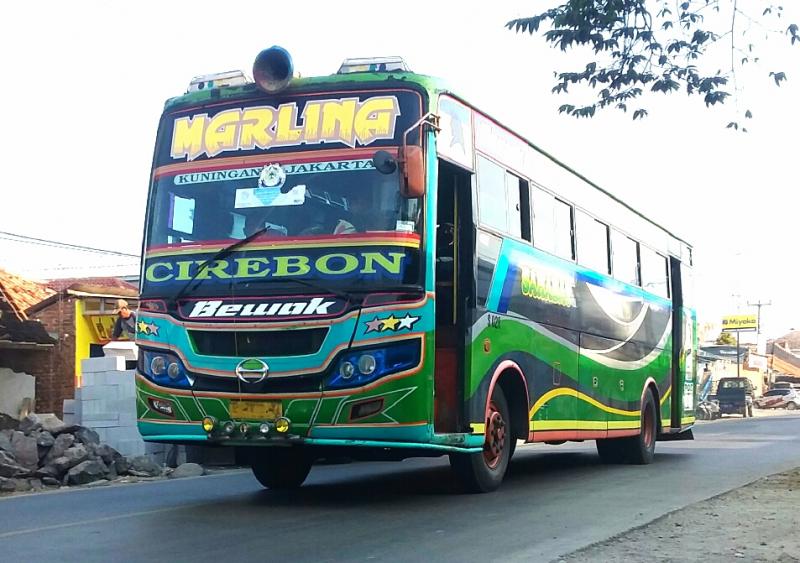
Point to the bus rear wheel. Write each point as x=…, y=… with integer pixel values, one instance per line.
x=281, y=468
x=639, y=449
x=483, y=472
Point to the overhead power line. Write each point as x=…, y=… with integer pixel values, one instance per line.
x=54, y=243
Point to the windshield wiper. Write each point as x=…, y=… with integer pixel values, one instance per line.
x=221, y=253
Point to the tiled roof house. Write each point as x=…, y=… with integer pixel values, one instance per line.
x=16, y=296
x=25, y=345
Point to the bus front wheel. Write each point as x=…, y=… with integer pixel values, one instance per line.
x=484, y=471
x=281, y=468
x=638, y=449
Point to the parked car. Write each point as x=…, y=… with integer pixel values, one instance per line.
x=786, y=385
x=735, y=396
x=779, y=399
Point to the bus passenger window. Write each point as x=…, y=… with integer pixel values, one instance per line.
x=502, y=198
x=513, y=205
x=624, y=258
x=655, y=277
x=562, y=221
x=592, y=239
x=552, y=225
x=492, y=198
x=543, y=226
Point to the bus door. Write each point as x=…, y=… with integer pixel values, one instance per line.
x=683, y=357
x=453, y=267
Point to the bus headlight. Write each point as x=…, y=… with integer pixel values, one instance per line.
x=157, y=365
x=164, y=368
x=359, y=367
x=366, y=364
x=346, y=370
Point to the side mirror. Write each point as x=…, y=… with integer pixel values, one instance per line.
x=384, y=162
x=413, y=161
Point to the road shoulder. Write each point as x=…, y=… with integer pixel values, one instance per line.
x=757, y=522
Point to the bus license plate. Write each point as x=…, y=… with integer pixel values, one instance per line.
x=256, y=410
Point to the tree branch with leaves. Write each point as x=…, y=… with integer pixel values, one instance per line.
x=654, y=45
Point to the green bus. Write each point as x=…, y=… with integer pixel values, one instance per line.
x=364, y=265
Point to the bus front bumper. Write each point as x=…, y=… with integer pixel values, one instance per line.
x=194, y=433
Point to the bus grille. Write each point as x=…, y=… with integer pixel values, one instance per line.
x=275, y=343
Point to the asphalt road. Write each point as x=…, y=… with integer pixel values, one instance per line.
x=555, y=500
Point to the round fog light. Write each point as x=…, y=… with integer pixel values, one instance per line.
x=228, y=427
x=282, y=424
x=243, y=429
x=209, y=423
x=264, y=428
x=346, y=370
x=366, y=364
x=174, y=370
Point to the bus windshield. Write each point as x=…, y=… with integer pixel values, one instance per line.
x=292, y=199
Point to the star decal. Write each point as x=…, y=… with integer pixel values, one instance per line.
x=391, y=323
x=147, y=329
x=407, y=322
x=374, y=325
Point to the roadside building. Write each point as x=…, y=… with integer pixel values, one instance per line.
x=82, y=313
x=27, y=351
x=718, y=361
x=783, y=357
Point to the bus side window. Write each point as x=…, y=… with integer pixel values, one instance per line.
x=503, y=200
x=655, y=277
x=592, y=242
x=492, y=204
x=563, y=221
x=552, y=224
x=524, y=205
x=543, y=229
x=624, y=258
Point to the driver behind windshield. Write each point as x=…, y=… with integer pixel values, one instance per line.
x=315, y=217
x=356, y=221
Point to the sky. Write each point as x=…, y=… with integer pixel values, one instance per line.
x=85, y=83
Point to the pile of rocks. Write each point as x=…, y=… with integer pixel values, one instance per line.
x=40, y=451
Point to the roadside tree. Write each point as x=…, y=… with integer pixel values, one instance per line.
x=630, y=47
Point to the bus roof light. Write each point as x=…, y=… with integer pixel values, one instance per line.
x=373, y=64
x=218, y=80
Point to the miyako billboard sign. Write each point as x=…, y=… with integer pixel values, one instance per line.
x=739, y=322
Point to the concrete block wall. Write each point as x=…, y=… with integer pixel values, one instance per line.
x=106, y=403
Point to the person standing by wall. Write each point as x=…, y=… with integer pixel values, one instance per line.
x=126, y=321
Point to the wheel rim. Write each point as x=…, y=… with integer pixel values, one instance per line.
x=495, y=437
x=648, y=432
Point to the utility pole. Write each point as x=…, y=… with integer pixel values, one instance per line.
x=759, y=304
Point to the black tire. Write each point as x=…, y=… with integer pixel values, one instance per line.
x=791, y=406
x=281, y=468
x=639, y=449
x=612, y=450
x=483, y=472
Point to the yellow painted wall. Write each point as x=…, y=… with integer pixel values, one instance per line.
x=89, y=329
